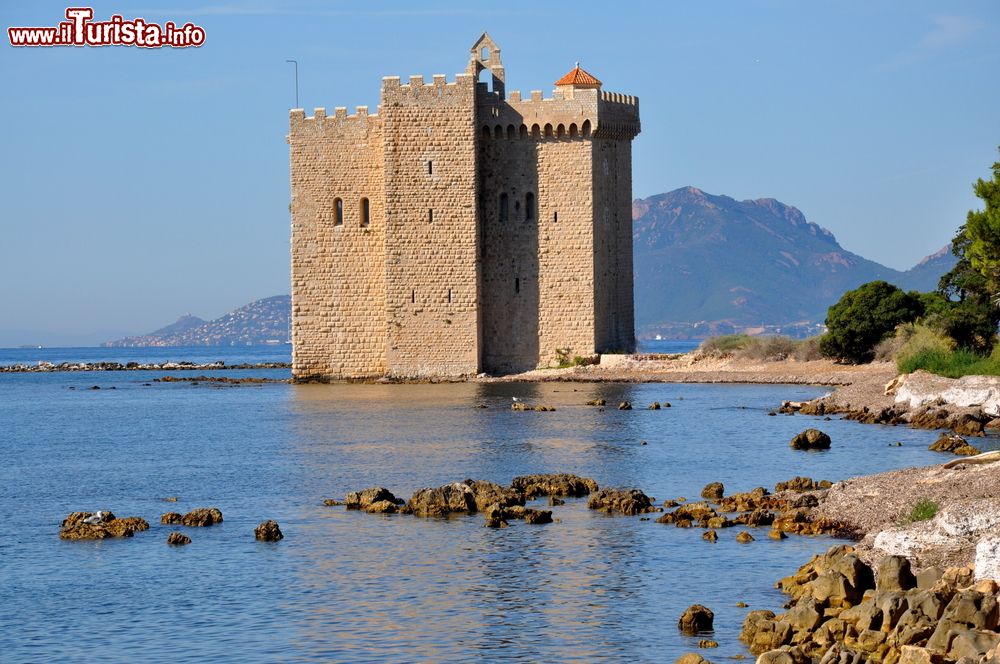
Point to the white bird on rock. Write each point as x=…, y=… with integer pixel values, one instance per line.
x=515, y=400
x=95, y=519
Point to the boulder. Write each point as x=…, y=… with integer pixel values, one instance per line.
x=537, y=516
x=625, y=501
x=710, y=536
x=496, y=516
x=713, y=491
x=654, y=406
x=178, y=538
x=268, y=531
x=810, y=439
x=172, y=518
x=988, y=559
x=708, y=643
x=366, y=498
x=800, y=484
x=597, y=402
x=954, y=444
x=696, y=618
x=443, y=500
x=893, y=573
x=553, y=484
x=624, y=405
x=488, y=493
x=202, y=516
x=691, y=658
x=744, y=537
x=76, y=526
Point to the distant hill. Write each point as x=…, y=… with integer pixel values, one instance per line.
x=709, y=264
x=704, y=265
x=260, y=322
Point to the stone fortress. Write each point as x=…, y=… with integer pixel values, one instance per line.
x=461, y=228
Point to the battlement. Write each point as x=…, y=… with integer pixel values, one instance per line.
x=393, y=89
x=361, y=116
x=618, y=98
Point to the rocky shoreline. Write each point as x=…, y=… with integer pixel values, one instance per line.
x=49, y=367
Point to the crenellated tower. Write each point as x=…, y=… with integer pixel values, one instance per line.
x=462, y=229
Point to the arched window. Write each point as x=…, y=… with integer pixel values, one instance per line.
x=486, y=132
x=485, y=53
x=503, y=208
x=548, y=131
x=524, y=132
x=338, y=212
x=586, y=128
x=511, y=131
x=529, y=206
x=498, y=132
x=561, y=131
x=365, y=212
x=572, y=130
x=536, y=132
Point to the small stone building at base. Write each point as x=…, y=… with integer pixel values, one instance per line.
x=462, y=229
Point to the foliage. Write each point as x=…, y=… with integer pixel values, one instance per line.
x=982, y=232
x=865, y=316
x=767, y=348
x=952, y=364
x=924, y=509
x=912, y=339
x=563, y=360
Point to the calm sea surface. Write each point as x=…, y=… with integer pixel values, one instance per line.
x=347, y=586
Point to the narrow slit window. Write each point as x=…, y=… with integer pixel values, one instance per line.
x=503, y=208
x=338, y=209
x=430, y=216
x=365, y=212
x=555, y=217
x=449, y=295
x=430, y=168
x=529, y=206
x=413, y=297
x=517, y=285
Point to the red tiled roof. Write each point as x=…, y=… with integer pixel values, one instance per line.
x=578, y=77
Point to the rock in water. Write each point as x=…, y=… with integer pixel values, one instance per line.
x=268, y=531
x=178, y=538
x=626, y=501
x=172, y=518
x=744, y=537
x=203, y=516
x=696, y=618
x=553, y=484
x=811, y=439
x=443, y=500
x=713, y=491
x=625, y=405
x=374, y=499
x=954, y=444
x=75, y=526
x=537, y=516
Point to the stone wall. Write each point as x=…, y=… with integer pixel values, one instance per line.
x=432, y=281
x=338, y=270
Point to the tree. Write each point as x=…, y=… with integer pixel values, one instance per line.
x=865, y=316
x=982, y=233
x=971, y=287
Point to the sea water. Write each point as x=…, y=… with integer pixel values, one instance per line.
x=348, y=586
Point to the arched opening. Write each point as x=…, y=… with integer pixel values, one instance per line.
x=586, y=128
x=503, y=208
x=486, y=131
x=548, y=131
x=485, y=77
x=572, y=130
x=365, y=212
x=511, y=132
x=485, y=53
x=498, y=132
x=338, y=211
x=560, y=131
x=536, y=131
x=524, y=132
x=529, y=206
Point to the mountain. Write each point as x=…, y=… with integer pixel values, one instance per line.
x=709, y=264
x=260, y=322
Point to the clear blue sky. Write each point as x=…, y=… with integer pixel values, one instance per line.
x=136, y=185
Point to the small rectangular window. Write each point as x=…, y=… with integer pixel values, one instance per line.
x=517, y=285
x=449, y=295
x=503, y=208
x=413, y=297
x=430, y=168
x=365, y=212
x=555, y=217
x=338, y=206
x=430, y=216
x=529, y=206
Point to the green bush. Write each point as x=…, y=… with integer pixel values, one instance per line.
x=864, y=317
x=924, y=509
x=952, y=364
x=724, y=345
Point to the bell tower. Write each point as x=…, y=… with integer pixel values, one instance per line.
x=485, y=54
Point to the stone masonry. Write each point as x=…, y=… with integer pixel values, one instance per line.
x=461, y=229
